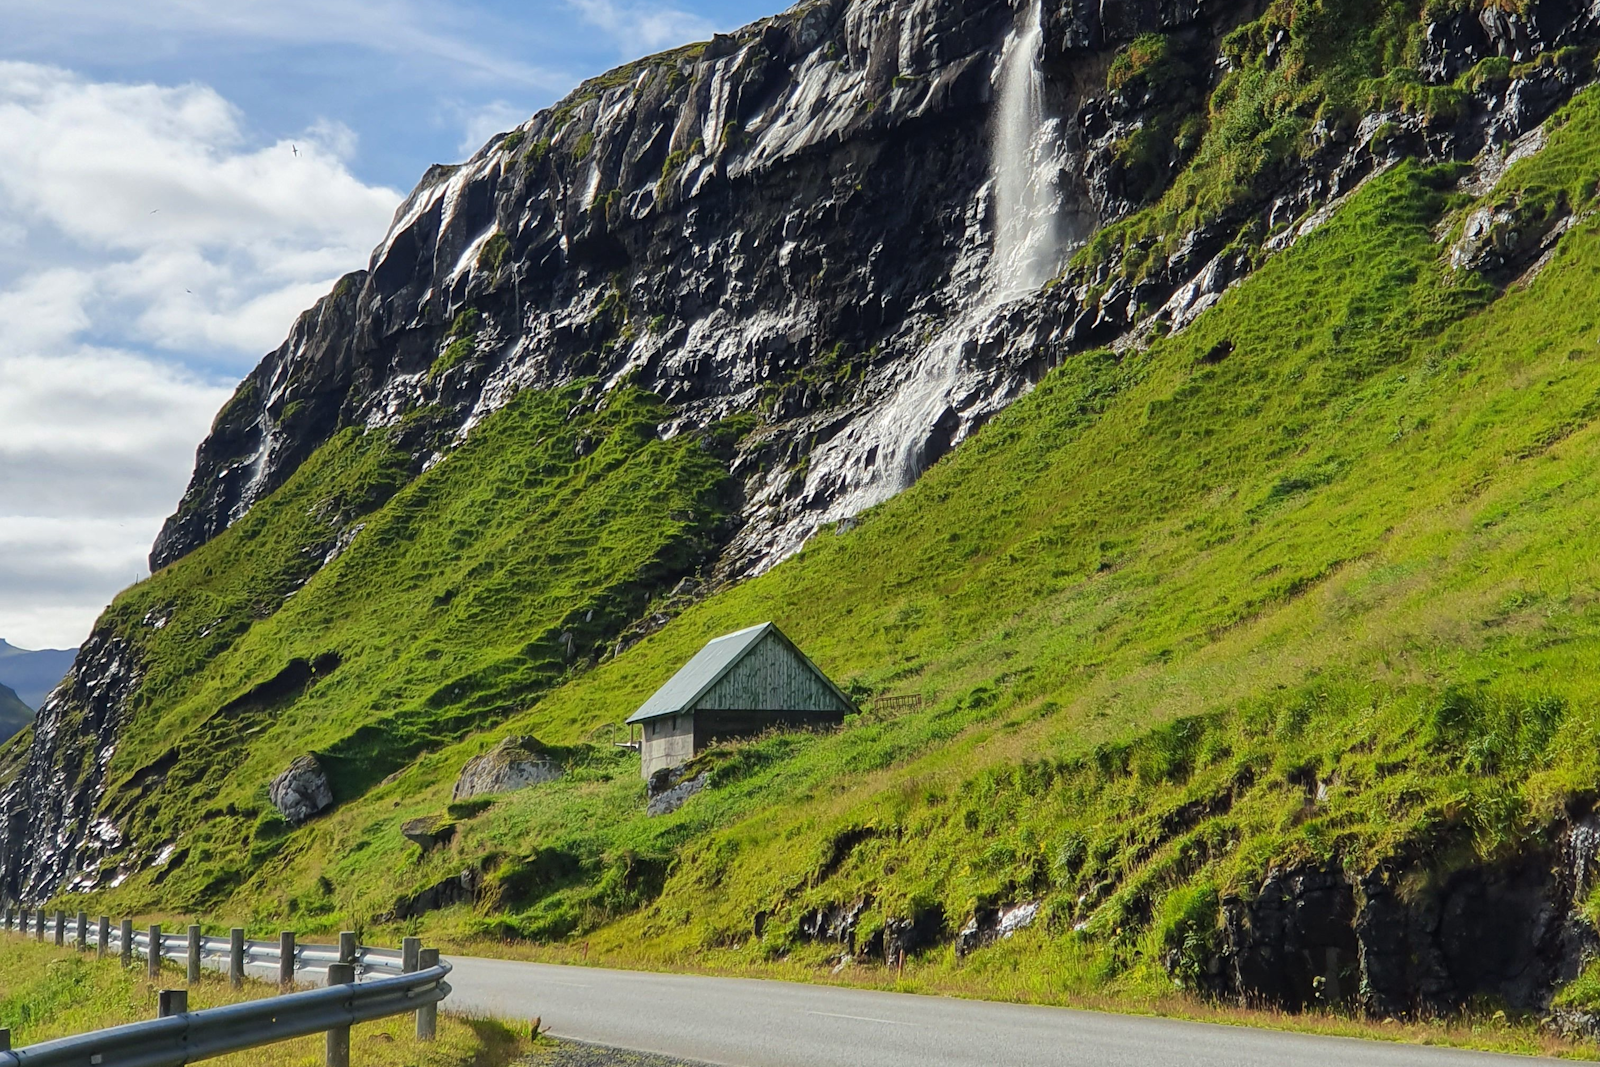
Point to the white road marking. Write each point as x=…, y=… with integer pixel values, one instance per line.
x=861, y=1018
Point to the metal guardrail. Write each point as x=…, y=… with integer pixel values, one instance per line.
x=198, y=1035
x=361, y=982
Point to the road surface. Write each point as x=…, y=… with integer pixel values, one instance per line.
x=751, y=1023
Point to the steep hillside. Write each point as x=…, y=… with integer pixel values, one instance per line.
x=1255, y=635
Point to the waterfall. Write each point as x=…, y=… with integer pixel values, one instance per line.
x=928, y=407
x=1027, y=200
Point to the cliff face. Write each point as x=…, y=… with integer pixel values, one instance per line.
x=786, y=221
x=818, y=221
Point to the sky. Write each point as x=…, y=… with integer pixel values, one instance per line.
x=178, y=180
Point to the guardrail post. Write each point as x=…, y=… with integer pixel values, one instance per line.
x=194, y=954
x=5, y=917
x=22, y=921
x=153, y=957
x=171, y=1002
x=286, y=959
x=428, y=1014
x=61, y=927
x=410, y=958
x=83, y=931
x=338, y=1047
x=236, y=957
x=102, y=940
x=38, y=924
x=348, y=948
x=125, y=942
x=410, y=953
x=5, y=1039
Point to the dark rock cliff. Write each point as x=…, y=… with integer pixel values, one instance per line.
x=799, y=220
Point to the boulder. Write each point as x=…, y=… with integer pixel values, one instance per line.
x=515, y=763
x=428, y=832
x=674, y=795
x=301, y=791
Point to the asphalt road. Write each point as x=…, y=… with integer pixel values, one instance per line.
x=750, y=1023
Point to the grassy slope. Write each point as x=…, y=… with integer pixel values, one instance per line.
x=48, y=992
x=447, y=612
x=1153, y=606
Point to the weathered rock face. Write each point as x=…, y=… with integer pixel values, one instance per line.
x=798, y=219
x=995, y=924
x=515, y=763
x=301, y=791
x=1510, y=933
x=51, y=830
x=786, y=220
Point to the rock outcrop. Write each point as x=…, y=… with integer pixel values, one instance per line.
x=669, y=791
x=301, y=791
x=428, y=832
x=515, y=763
x=1510, y=932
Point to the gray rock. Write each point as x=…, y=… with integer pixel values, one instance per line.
x=428, y=832
x=515, y=763
x=301, y=791
x=994, y=924
x=671, y=799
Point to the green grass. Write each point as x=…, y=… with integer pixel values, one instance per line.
x=1300, y=64
x=1176, y=620
x=48, y=992
x=471, y=589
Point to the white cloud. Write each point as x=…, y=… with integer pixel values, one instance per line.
x=441, y=34
x=644, y=27
x=483, y=123
x=149, y=253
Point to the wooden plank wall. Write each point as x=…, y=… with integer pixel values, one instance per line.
x=771, y=677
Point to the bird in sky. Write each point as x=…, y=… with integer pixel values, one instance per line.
x=295, y=149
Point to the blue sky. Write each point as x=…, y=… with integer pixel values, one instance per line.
x=178, y=179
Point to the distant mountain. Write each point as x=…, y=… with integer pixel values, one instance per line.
x=30, y=676
x=14, y=714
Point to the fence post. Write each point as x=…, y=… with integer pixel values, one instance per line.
x=102, y=942
x=171, y=1002
x=153, y=957
x=410, y=956
x=348, y=949
x=428, y=1014
x=194, y=954
x=5, y=1039
x=61, y=927
x=125, y=942
x=338, y=1047
x=236, y=957
x=83, y=931
x=410, y=953
x=286, y=959
x=38, y=924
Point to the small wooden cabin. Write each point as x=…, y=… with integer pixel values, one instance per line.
x=737, y=685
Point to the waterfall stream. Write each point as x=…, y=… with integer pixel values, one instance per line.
x=1024, y=166
x=923, y=413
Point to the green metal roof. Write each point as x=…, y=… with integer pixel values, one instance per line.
x=708, y=666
